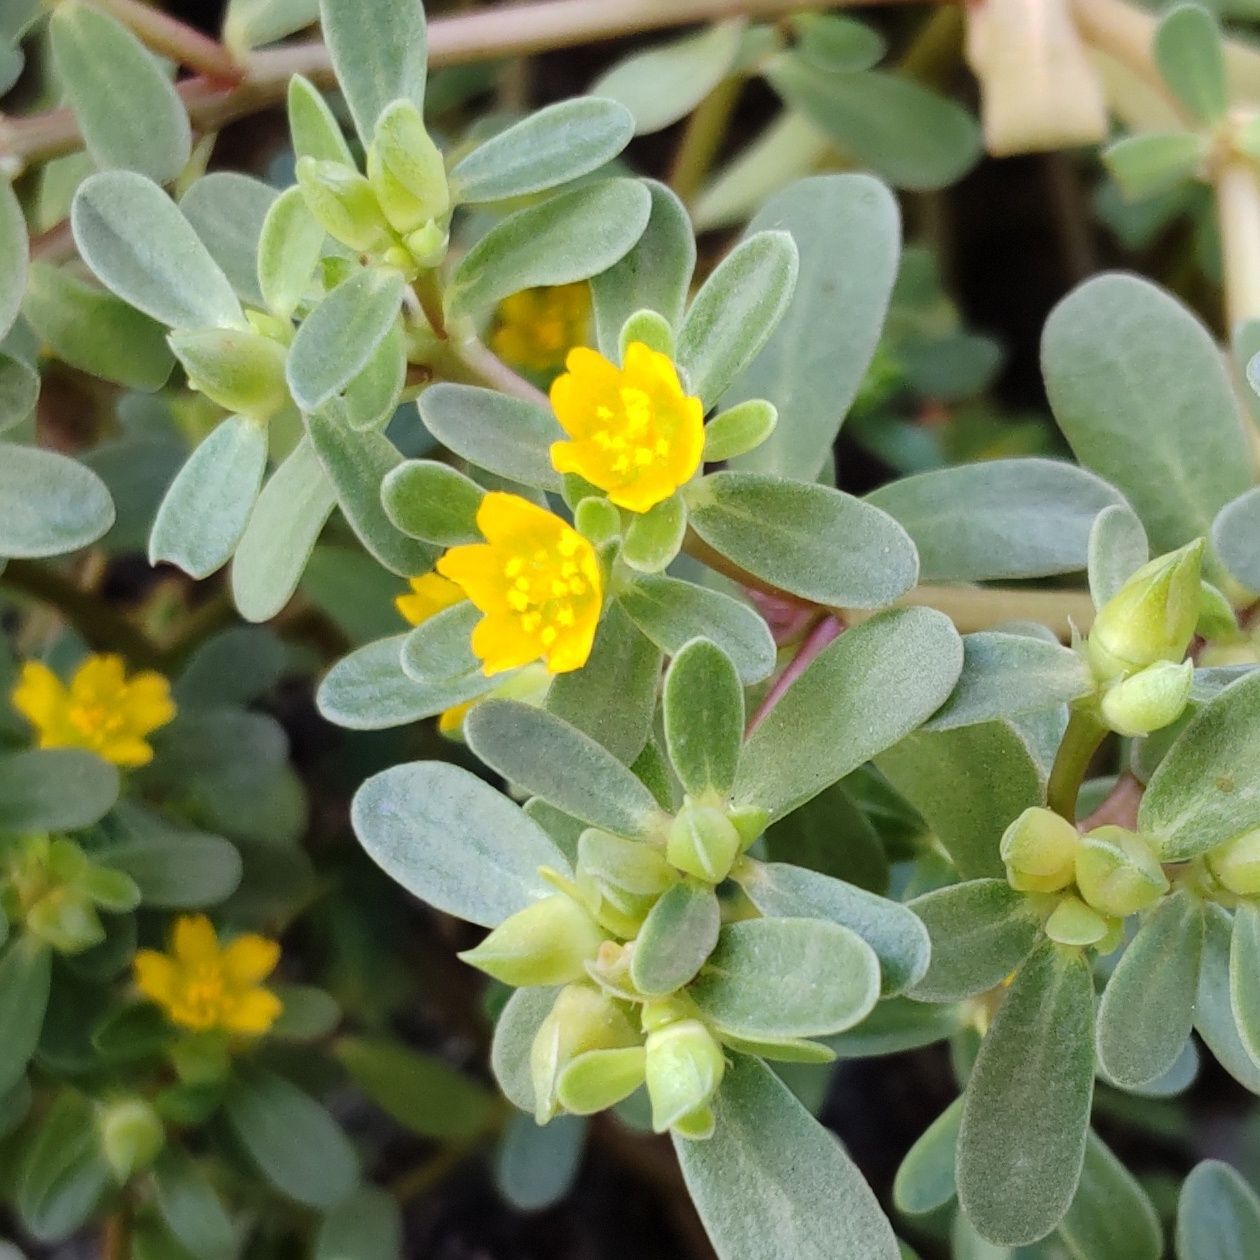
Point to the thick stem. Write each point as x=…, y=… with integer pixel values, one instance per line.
x=1237, y=185
x=176, y=40
x=1080, y=742
x=490, y=370
x=813, y=643
x=703, y=137
x=516, y=30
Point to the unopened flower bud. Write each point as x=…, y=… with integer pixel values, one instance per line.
x=1039, y=848
x=549, y=942
x=427, y=245
x=1150, y=618
x=65, y=919
x=624, y=876
x=600, y=1078
x=131, y=1135
x=406, y=170
x=1152, y=698
x=704, y=842
x=344, y=204
x=582, y=1019
x=1236, y=864
x=685, y=1065
x=1117, y=871
x=242, y=371
x=1072, y=922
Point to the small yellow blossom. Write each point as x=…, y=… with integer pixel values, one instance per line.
x=537, y=327
x=207, y=987
x=634, y=433
x=537, y=581
x=428, y=595
x=101, y=709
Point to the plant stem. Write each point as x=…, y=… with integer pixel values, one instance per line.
x=491, y=371
x=116, y=1245
x=813, y=643
x=703, y=137
x=95, y=620
x=516, y=30
x=174, y=39
x=1080, y=742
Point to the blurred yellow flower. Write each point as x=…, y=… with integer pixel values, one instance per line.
x=537, y=327
x=101, y=709
x=537, y=581
x=428, y=595
x=634, y=433
x=207, y=987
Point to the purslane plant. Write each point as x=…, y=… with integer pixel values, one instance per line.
x=781, y=775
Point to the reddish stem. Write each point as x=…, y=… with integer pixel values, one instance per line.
x=817, y=639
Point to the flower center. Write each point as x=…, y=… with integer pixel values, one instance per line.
x=543, y=587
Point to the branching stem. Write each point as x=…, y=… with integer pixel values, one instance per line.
x=1080, y=742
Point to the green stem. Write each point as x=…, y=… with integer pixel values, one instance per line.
x=175, y=39
x=95, y=620
x=1080, y=742
x=703, y=138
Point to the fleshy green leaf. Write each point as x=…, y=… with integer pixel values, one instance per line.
x=432, y=501
x=612, y=698
x=25, y=976
x=1218, y=1215
x=537, y=1164
x=127, y=108
x=286, y=521
x=437, y=653
x=190, y=1208
x=676, y=938
x=313, y=126
x=847, y=229
x=1140, y=390
x=52, y=503
x=1111, y=1217
x=1190, y=58
x=549, y=758
x=909, y=135
x=13, y=256
x=94, y=331
x=503, y=435
x=703, y=709
x=808, y=540
x=514, y=1034
x=735, y=312
x=1147, y=1007
x=980, y=932
x=773, y=1182
x=925, y=1180
x=1117, y=550
x=860, y=695
x=775, y=979
x=549, y=147
x=672, y=613
x=570, y=236
x=204, y=512
x=1244, y=978
x=1234, y=535
x=653, y=276
x=665, y=83
x=19, y=391
x=54, y=789
x=134, y=238
x=337, y=339
x=1205, y=790
x=1002, y=518
x=453, y=841
x=289, y=246
x=1155, y=162
x=228, y=210
x=366, y=1226
x=895, y=933
x=1214, y=1018
x=379, y=53
x=293, y=1140
x=1025, y=1116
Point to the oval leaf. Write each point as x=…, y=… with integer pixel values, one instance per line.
x=52, y=503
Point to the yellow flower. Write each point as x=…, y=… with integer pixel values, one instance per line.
x=538, y=582
x=101, y=710
x=428, y=595
x=536, y=328
x=207, y=987
x=636, y=435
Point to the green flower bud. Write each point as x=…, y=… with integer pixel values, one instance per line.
x=1151, y=618
x=344, y=204
x=1117, y=871
x=549, y=942
x=427, y=245
x=1074, y=923
x=600, y=1079
x=684, y=1068
x=131, y=1135
x=1148, y=700
x=406, y=170
x=704, y=842
x=65, y=919
x=739, y=429
x=624, y=877
x=1039, y=848
x=242, y=371
x=1236, y=864
x=582, y=1019
x=750, y=821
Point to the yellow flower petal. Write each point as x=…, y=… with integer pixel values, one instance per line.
x=40, y=696
x=250, y=958
x=429, y=595
x=252, y=1013
x=155, y=975
x=194, y=940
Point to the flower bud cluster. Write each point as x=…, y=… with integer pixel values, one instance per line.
x=603, y=1037
x=399, y=213
x=1099, y=878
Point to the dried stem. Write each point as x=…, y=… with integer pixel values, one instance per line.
x=175, y=39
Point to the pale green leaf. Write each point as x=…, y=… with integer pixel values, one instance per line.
x=676, y=938
x=1117, y=550
x=289, y=246
x=1190, y=58
x=52, y=503
x=228, y=210
x=1218, y=1215
x=1235, y=534
x=925, y=1179
x=1111, y=1217
x=366, y=1226
x=1214, y=1018
x=13, y=256
x=25, y=977
x=1244, y=976
x=703, y=711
